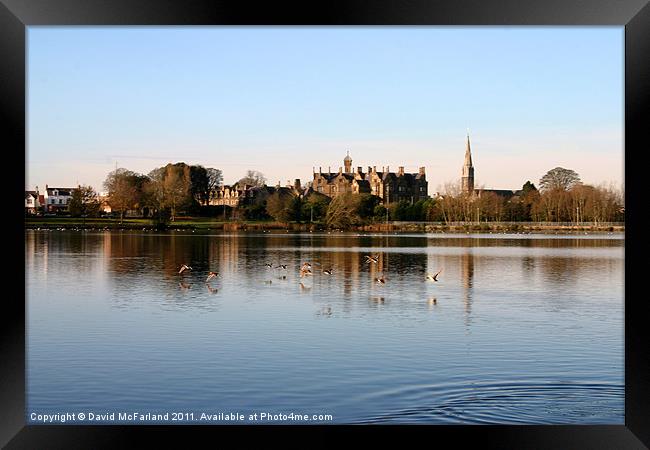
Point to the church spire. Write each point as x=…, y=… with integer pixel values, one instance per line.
x=467, y=180
x=468, y=152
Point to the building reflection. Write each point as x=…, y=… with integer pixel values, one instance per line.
x=78, y=247
x=241, y=258
x=467, y=281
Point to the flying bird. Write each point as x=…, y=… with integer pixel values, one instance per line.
x=327, y=271
x=372, y=259
x=183, y=268
x=282, y=266
x=212, y=275
x=381, y=280
x=434, y=277
x=269, y=265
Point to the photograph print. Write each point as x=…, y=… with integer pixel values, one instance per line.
x=324, y=225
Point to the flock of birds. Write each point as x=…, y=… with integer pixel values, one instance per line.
x=305, y=271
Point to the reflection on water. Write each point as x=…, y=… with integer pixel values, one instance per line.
x=517, y=329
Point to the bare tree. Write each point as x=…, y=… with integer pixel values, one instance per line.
x=342, y=211
x=253, y=178
x=559, y=179
x=215, y=178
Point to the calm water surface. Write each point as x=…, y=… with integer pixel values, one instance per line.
x=519, y=328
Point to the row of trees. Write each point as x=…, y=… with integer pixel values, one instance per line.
x=168, y=190
x=164, y=191
x=562, y=197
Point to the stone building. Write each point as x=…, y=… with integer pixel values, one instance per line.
x=238, y=195
x=229, y=195
x=389, y=186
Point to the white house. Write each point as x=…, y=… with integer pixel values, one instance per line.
x=57, y=198
x=32, y=203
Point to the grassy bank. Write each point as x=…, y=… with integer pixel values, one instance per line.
x=206, y=223
x=194, y=223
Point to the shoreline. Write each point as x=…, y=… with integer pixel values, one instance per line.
x=200, y=224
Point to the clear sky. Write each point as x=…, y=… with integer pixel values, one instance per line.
x=282, y=100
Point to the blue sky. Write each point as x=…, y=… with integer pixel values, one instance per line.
x=283, y=100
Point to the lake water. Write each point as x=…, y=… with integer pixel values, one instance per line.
x=519, y=329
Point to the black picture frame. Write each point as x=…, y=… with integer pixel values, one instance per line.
x=16, y=15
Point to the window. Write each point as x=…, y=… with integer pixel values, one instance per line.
x=320, y=188
x=60, y=201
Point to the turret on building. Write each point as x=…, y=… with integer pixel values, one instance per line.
x=347, y=162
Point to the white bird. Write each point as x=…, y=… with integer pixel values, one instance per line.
x=327, y=271
x=183, y=268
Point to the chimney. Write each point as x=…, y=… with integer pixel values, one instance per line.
x=340, y=169
x=383, y=168
x=296, y=184
x=388, y=169
x=329, y=169
x=313, y=169
x=320, y=170
x=359, y=169
x=374, y=169
x=421, y=170
x=401, y=170
x=369, y=169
